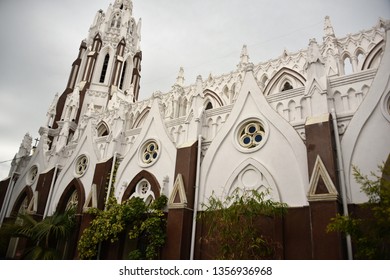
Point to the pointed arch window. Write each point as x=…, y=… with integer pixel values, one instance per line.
x=116, y=21
x=104, y=68
x=123, y=75
x=73, y=201
x=287, y=85
x=102, y=130
x=209, y=106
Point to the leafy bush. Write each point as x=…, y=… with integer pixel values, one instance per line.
x=43, y=236
x=370, y=235
x=146, y=222
x=233, y=224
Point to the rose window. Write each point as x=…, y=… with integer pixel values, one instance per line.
x=251, y=134
x=150, y=152
x=81, y=165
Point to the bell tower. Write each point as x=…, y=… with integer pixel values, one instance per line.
x=108, y=63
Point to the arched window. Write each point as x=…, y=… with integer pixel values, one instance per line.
x=209, y=106
x=104, y=68
x=123, y=75
x=102, y=130
x=116, y=21
x=347, y=65
x=287, y=86
x=73, y=201
x=144, y=191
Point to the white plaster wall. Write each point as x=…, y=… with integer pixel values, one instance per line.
x=164, y=166
x=283, y=156
x=365, y=143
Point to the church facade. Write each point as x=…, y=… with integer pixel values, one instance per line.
x=294, y=125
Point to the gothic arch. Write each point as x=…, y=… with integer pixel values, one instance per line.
x=346, y=59
x=282, y=75
x=74, y=185
x=216, y=100
x=373, y=56
x=107, y=52
x=102, y=129
x=126, y=73
x=97, y=43
x=252, y=175
x=140, y=118
x=26, y=192
x=225, y=91
x=142, y=175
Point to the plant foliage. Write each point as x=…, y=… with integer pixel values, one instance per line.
x=140, y=221
x=370, y=235
x=234, y=227
x=43, y=236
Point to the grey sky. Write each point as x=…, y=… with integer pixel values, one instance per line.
x=40, y=40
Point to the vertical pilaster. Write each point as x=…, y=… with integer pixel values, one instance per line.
x=181, y=204
x=323, y=189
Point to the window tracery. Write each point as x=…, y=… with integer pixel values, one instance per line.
x=251, y=134
x=104, y=68
x=73, y=201
x=150, y=152
x=144, y=191
x=81, y=165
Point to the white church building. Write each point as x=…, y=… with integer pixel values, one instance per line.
x=295, y=125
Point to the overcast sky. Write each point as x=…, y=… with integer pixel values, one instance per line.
x=39, y=40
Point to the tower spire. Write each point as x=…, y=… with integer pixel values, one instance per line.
x=328, y=28
x=244, y=58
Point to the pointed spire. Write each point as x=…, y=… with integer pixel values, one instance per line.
x=244, y=54
x=244, y=58
x=199, y=86
x=328, y=29
x=180, y=77
x=314, y=53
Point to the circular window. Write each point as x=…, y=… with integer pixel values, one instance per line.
x=251, y=134
x=32, y=175
x=81, y=165
x=149, y=152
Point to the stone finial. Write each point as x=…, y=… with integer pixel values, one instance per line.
x=244, y=58
x=328, y=29
x=244, y=54
x=180, y=77
x=313, y=52
x=384, y=24
x=199, y=86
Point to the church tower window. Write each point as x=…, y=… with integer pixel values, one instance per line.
x=102, y=130
x=123, y=75
x=104, y=68
x=116, y=21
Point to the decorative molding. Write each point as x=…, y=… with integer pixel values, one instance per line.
x=178, y=192
x=319, y=171
x=91, y=199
